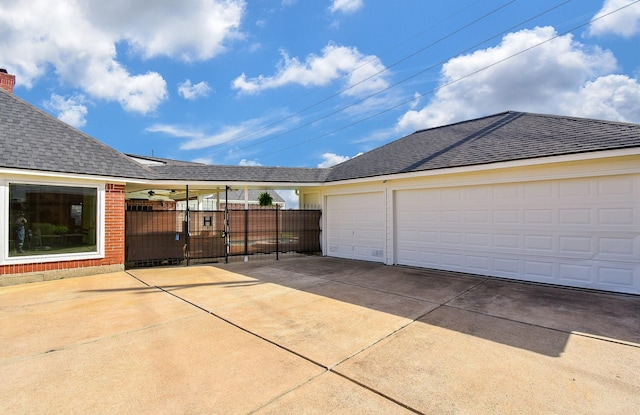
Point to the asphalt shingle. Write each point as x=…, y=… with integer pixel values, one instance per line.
x=31, y=139
x=34, y=140
x=240, y=173
x=502, y=137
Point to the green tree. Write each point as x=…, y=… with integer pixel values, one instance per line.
x=265, y=199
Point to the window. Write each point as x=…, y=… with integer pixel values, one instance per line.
x=48, y=220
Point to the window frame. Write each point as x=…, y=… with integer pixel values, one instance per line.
x=5, y=231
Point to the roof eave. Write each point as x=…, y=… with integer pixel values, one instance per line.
x=635, y=151
x=67, y=176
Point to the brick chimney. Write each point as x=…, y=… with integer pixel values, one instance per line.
x=7, y=82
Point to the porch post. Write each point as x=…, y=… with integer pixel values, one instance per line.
x=188, y=232
x=246, y=222
x=226, y=225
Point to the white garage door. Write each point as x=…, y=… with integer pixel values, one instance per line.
x=355, y=226
x=579, y=232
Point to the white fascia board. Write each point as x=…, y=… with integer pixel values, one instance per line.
x=230, y=183
x=495, y=166
x=67, y=176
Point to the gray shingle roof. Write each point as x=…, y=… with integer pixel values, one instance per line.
x=240, y=173
x=32, y=139
x=164, y=161
x=238, y=194
x=502, y=137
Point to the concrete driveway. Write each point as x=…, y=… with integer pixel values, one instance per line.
x=314, y=335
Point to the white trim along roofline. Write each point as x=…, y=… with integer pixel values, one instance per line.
x=288, y=185
x=67, y=176
x=539, y=161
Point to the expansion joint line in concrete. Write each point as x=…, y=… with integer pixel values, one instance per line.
x=233, y=324
x=332, y=368
x=326, y=369
x=575, y=333
x=362, y=385
x=473, y=287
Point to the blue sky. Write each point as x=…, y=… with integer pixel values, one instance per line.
x=313, y=82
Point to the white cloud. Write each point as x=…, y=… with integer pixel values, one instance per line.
x=416, y=101
x=331, y=159
x=189, y=30
x=190, y=91
x=611, y=97
x=346, y=6
x=245, y=162
x=625, y=22
x=561, y=76
x=71, y=110
x=203, y=160
x=175, y=131
x=38, y=38
x=197, y=139
x=334, y=62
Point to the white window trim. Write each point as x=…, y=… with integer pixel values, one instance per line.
x=5, y=230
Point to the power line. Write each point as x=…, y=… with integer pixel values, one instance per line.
x=456, y=80
x=328, y=98
x=359, y=101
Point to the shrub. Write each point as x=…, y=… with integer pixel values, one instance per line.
x=265, y=199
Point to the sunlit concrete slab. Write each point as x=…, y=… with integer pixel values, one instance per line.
x=457, y=361
x=85, y=312
x=322, y=328
x=314, y=335
x=206, y=286
x=57, y=290
x=326, y=321
x=330, y=393
x=195, y=365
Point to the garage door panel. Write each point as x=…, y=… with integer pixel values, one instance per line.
x=539, y=270
x=478, y=264
x=570, y=273
x=578, y=232
x=542, y=244
x=615, y=217
x=616, y=275
x=355, y=226
x=618, y=247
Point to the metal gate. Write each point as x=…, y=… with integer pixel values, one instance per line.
x=155, y=238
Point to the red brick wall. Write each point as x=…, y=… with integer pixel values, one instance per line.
x=114, y=225
x=7, y=81
x=113, y=244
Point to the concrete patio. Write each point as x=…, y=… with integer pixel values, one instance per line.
x=314, y=335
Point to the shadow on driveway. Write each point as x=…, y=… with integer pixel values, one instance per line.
x=450, y=299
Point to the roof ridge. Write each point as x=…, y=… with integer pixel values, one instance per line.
x=467, y=121
x=578, y=118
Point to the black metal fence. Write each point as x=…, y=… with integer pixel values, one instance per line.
x=176, y=237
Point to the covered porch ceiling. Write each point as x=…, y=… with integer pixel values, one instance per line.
x=181, y=191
